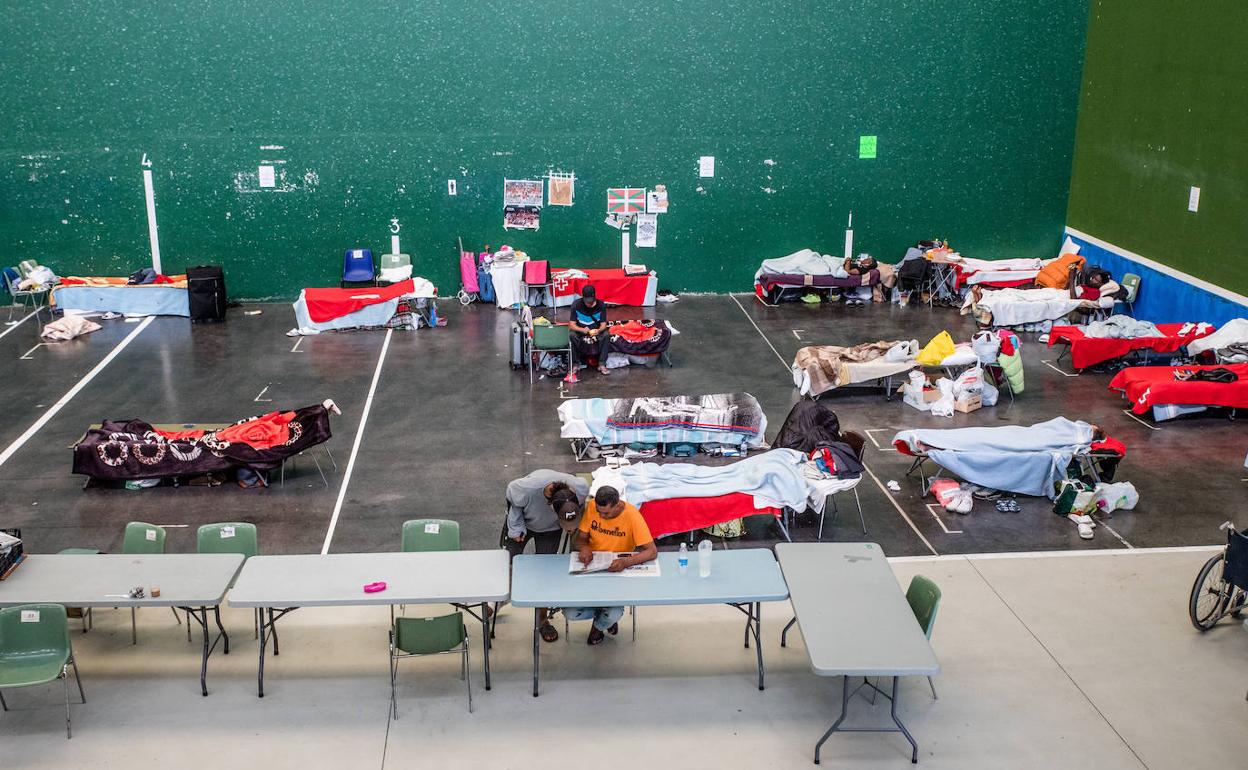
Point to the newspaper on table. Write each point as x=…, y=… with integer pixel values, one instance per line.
x=602, y=560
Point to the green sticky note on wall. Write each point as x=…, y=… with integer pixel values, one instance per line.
x=866, y=146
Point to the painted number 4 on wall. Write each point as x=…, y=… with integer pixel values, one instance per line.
x=146, y=162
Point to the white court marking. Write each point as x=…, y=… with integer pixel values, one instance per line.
x=260, y=397
x=27, y=355
x=296, y=349
x=795, y=333
x=355, y=448
x=940, y=521
x=78, y=386
x=783, y=363
x=14, y=324
x=877, y=444
x=1131, y=414
x=1062, y=372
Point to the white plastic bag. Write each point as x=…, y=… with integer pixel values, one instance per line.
x=1112, y=497
x=987, y=345
x=943, y=406
x=968, y=383
x=902, y=351
x=988, y=393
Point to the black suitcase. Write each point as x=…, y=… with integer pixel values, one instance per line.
x=205, y=286
x=517, y=347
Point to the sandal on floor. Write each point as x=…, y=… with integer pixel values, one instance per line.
x=614, y=629
x=595, y=636
x=549, y=632
x=1085, y=524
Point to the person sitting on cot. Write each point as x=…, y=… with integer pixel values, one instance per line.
x=610, y=524
x=541, y=507
x=587, y=321
x=1091, y=284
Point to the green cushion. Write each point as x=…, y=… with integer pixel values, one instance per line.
x=550, y=337
x=424, y=636
x=32, y=652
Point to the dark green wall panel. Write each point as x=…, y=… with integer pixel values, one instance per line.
x=1164, y=108
x=377, y=104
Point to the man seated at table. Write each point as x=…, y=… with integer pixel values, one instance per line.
x=610, y=524
x=540, y=508
x=588, y=325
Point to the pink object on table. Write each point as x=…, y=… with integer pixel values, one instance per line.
x=373, y=588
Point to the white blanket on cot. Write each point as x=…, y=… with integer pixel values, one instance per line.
x=1230, y=333
x=774, y=478
x=1013, y=307
x=804, y=262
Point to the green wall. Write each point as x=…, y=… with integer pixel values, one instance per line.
x=375, y=105
x=1164, y=108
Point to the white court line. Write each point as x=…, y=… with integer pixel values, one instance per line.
x=783, y=363
x=940, y=521
x=1131, y=414
x=17, y=324
x=1062, y=372
x=26, y=356
x=1114, y=532
x=65, y=399
x=877, y=444
x=795, y=333
x=355, y=448
x=258, y=397
x=296, y=349
x=1059, y=554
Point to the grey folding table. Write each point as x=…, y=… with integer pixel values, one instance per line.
x=279, y=584
x=856, y=622
x=193, y=582
x=743, y=579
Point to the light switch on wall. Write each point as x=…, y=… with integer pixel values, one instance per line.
x=450, y=187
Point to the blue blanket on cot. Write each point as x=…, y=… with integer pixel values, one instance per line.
x=774, y=478
x=1027, y=460
x=593, y=413
x=138, y=300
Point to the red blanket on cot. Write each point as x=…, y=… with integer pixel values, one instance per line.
x=683, y=514
x=613, y=286
x=328, y=304
x=1088, y=351
x=1147, y=386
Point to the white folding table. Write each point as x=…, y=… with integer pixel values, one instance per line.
x=280, y=584
x=856, y=622
x=193, y=582
x=743, y=579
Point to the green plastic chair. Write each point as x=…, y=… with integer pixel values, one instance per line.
x=395, y=260
x=144, y=539
x=417, y=637
x=923, y=596
x=430, y=535
x=1131, y=282
x=35, y=649
x=542, y=338
x=228, y=537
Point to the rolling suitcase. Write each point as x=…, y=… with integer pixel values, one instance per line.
x=517, y=346
x=205, y=286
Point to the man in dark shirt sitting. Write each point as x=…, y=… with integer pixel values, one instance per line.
x=588, y=324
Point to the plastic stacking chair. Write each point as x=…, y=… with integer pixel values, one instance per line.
x=430, y=535
x=858, y=444
x=228, y=537
x=923, y=596
x=357, y=266
x=141, y=538
x=417, y=637
x=554, y=338
x=35, y=649
x=30, y=298
x=1131, y=282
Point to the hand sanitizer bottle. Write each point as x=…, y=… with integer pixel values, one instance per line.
x=683, y=559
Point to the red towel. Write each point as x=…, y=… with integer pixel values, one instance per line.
x=682, y=514
x=633, y=331
x=328, y=304
x=536, y=272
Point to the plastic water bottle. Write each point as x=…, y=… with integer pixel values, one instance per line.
x=683, y=558
x=704, y=558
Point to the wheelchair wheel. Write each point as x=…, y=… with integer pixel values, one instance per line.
x=1210, y=595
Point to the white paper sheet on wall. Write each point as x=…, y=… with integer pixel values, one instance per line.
x=267, y=177
x=706, y=165
x=647, y=230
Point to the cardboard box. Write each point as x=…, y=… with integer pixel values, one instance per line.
x=922, y=400
x=968, y=404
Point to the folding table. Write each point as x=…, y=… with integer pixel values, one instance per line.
x=193, y=582
x=739, y=578
x=856, y=622
x=281, y=584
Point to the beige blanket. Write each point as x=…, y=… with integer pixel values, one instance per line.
x=830, y=366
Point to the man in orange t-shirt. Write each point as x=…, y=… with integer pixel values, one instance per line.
x=610, y=524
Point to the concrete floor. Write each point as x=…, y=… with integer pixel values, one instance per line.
x=1072, y=661
x=451, y=423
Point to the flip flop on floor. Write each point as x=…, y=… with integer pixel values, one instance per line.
x=1085, y=524
x=548, y=632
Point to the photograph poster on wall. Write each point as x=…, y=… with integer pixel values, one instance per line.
x=561, y=190
x=647, y=230
x=656, y=200
x=523, y=192
x=522, y=217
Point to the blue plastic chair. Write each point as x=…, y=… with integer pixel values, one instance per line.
x=357, y=266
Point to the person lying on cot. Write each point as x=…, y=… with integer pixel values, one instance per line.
x=588, y=323
x=1091, y=284
x=541, y=507
x=610, y=524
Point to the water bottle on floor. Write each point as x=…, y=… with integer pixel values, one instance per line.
x=704, y=558
x=683, y=559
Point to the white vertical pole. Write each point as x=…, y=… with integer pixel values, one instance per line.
x=394, y=244
x=624, y=249
x=151, y=218
x=849, y=237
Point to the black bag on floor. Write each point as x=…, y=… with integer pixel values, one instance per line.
x=205, y=286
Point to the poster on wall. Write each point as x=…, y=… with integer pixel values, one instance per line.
x=626, y=200
x=522, y=217
x=647, y=230
x=523, y=192
x=656, y=200
x=561, y=190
